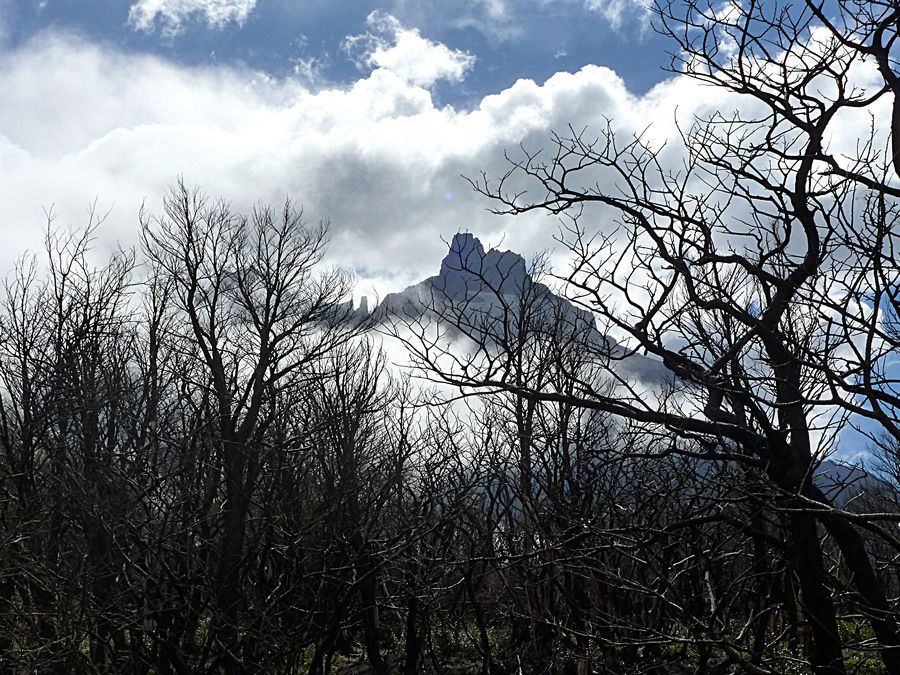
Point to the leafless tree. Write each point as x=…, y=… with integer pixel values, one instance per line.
x=257, y=316
x=760, y=272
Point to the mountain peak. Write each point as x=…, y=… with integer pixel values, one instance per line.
x=486, y=288
x=467, y=268
x=465, y=255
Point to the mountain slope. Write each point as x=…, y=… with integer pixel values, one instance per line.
x=492, y=295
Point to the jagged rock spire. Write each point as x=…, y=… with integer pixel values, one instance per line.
x=468, y=268
x=466, y=254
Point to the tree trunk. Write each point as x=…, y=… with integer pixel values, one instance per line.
x=866, y=582
x=368, y=599
x=413, y=640
x=487, y=665
x=825, y=654
x=234, y=519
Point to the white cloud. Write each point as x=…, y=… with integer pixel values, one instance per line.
x=497, y=20
x=493, y=18
x=377, y=158
x=171, y=14
x=617, y=12
x=495, y=9
x=421, y=62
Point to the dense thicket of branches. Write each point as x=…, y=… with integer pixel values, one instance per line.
x=208, y=465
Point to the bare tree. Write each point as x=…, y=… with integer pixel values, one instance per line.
x=256, y=315
x=749, y=272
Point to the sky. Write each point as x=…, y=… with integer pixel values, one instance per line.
x=366, y=114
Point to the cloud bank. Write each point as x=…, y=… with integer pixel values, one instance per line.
x=381, y=159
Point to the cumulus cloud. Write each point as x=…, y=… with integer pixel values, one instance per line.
x=379, y=158
x=388, y=44
x=170, y=15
